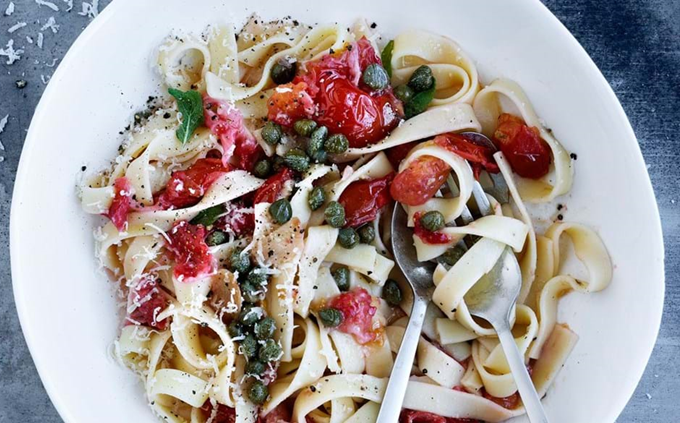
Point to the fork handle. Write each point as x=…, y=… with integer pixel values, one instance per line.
x=401, y=371
x=532, y=403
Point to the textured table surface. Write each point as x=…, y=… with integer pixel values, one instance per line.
x=636, y=44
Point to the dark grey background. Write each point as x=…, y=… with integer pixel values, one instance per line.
x=636, y=44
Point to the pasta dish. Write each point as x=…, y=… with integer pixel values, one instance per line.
x=248, y=227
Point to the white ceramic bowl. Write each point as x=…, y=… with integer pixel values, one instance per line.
x=67, y=309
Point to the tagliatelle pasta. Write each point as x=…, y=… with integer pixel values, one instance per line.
x=248, y=227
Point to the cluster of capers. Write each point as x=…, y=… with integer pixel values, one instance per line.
x=347, y=237
x=251, y=325
x=421, y=81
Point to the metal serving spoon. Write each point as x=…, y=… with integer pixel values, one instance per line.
x=492, y=298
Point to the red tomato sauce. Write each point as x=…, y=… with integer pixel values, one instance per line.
x=189, y=250
x=121, y=204
x=363, y=200
x=357, y=311
x=528, y=154
x=426, y=236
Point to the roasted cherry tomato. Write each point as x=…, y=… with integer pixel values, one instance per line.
x=341, y=102
x=187, y=187
x=223, y=414
x=189, y=250
x=428, y=237
x=146, y=300
x=480, y=157
x=121, y=204
x=364, y=199
x=419, y=181
x=357, y=310
x=528, y=154
x=412, y=416
x=273, y=187
x=226, y=123
x=397, y=154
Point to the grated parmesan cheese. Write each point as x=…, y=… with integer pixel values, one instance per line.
x=10, y=53
x=48, y=4
x=16, y=27
x=10, y=9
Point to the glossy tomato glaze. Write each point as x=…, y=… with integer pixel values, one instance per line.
x=480, y=157
x=339, y=100
x=274, y=186
x=364, y=199
x=528, y=154
x=420, y=181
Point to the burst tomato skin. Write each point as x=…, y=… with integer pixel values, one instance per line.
x=290, y=102
x=479, y=157
x=363, y=200
x=147, y=299
x=412, y=416
x=426, y=236
x=357, y=311
x=189, y=250
x=187, y=187
x=226, y=123
x=528, y=154
x=419, y=181
x=272, y=188
x=121, y=204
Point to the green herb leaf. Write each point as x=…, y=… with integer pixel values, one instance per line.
x=208, y=216
x=386, y=57
x=419, y=102
x=190, y=105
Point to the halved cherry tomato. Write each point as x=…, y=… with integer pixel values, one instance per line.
x=428, y=237
x=412, y=416
x=341, y=102
x=479, y=157
x=528, y=154
x=226, y=123
x=363, y=200
x=121, y=204
x=419, y=181
x=187, y=187
x=145, y=301
x=223, y=414
x=189, y=250
x=290, y=102
x=357, y=310
x=273, y=187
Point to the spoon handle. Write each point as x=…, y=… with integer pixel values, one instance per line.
x=532, y=403
x=396, y=386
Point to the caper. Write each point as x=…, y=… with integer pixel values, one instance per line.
x=375, y=76
x=421, y=79
x=272, y=133
x=316, y=198
x=281, y=211
x=283, y=71
x=348, y=238
x=249, y=346
x=250, y=292
x=239, y=261
x=248, y=315
x=404, y=93
x=451, y=256
x=392, y=293
x=265, y=328
x=278, y=163
x=235, y=329
x=336, y=144
x=270, y=351
x=262, y=169
x=304, y=127
x=297, y=160
x=319, y=156
x=257, y=278
x=366, y=234
x=432, y=221
x=331, y=317
x=258, y=392
x=335, y=214
x=255, y=367
x=216, y=238
x=341, y=277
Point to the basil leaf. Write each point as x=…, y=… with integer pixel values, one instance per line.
x=208, y=216
x=419, y=102
x=190, y=105
x=386, y=57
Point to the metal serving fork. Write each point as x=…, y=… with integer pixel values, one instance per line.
x=492, y=298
